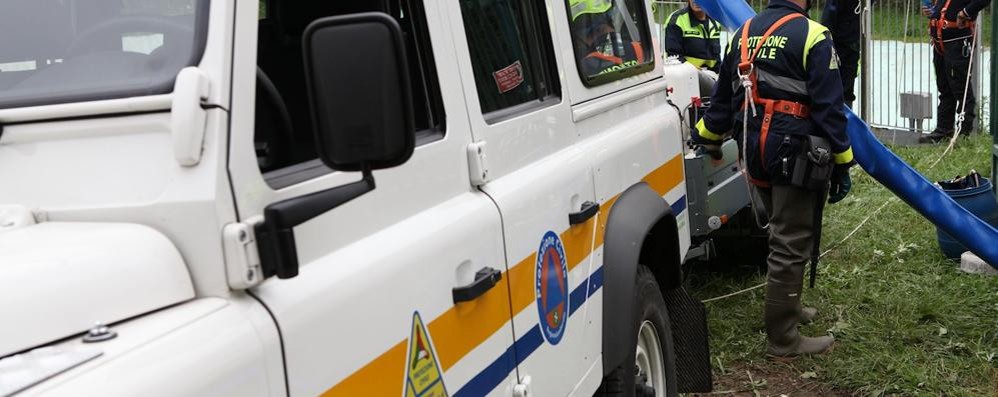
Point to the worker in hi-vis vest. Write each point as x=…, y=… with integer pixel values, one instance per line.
x=780, y=93
x=694, y=37
x=601, y=47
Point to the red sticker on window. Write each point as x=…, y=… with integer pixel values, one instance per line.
x=509, y=77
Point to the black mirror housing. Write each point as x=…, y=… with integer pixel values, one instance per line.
x=359, y=91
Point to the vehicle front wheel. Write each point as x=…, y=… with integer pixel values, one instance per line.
x=650, y=370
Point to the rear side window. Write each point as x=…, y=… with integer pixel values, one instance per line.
x=511, y=54
x=611, y=39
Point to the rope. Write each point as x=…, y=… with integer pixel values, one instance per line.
x=827, y=251
x=717, y=298
x=749, y=103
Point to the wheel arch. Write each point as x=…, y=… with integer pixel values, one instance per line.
x=640, y=229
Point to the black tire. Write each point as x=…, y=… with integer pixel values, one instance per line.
x=649, y=306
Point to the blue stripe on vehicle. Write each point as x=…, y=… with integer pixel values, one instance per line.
x=494, y=374
x=577, y=298
x=679, y=206
x=526, y=345
x=596, y=281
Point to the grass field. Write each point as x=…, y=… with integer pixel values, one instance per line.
x=906, y=320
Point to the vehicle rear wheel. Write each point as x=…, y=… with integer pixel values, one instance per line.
x=650, y=370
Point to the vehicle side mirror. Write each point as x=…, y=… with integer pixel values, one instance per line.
x=360, y=99
x=359, y=92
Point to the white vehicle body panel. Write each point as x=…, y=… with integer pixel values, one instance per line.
x=102, y=272
x=207, y=347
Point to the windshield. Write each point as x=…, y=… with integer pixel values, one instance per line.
x=57, y=51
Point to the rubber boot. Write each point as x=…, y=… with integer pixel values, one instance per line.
x=935, y=137
x=783, y=312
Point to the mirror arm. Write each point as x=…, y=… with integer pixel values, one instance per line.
x=276, y=236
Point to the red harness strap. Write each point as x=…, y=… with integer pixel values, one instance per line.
x=942, y=23
x=639, y=52
x=771, y=106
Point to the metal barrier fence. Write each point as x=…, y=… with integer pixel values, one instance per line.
x=901, y=73
x=898, y=63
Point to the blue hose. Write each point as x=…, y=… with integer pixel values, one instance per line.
x=730, y=13
x=887, y=168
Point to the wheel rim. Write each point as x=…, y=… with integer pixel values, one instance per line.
x=648, y=359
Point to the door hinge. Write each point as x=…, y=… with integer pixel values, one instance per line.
x=522, y=389
x=242, y=261
x=478, y=167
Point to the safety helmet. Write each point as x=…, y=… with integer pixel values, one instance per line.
x=582, y=7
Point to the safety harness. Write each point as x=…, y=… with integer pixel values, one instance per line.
x=749, y=79
x=942, y=23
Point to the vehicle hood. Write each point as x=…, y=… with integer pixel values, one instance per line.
x=58, y=279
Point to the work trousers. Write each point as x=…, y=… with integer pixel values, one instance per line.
x=951, y=65
x=791, y=235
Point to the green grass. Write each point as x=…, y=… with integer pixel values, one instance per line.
x=906, y=320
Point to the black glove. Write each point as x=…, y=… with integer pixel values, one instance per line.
x=841, y=184
x=713, y=150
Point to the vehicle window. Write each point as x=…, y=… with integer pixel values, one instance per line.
x=58, y=51
x=511, y=53
x=611, y=39
x=284, y=136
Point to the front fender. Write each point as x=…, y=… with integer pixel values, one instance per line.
x=641, y=228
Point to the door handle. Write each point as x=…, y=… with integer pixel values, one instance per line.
x=485, y=279
x=589, y=209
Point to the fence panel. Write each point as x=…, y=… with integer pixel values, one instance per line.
x=901, y=63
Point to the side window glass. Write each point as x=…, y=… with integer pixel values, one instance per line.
x=511, y=54
x=611, y=39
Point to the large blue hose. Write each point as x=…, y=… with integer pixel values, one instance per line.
x=887, y=168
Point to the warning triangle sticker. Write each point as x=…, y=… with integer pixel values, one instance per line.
x=423, y=376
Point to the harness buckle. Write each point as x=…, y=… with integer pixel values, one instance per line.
x=745, y=70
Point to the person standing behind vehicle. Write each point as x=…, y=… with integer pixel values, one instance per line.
x=842, y=18
x=694, y=37
x=781, y=94
x=602, y=49
x=951, y=27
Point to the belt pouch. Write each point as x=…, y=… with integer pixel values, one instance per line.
x=813, y=165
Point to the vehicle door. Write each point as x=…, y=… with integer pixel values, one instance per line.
x=524, y=139
x=377, y=307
